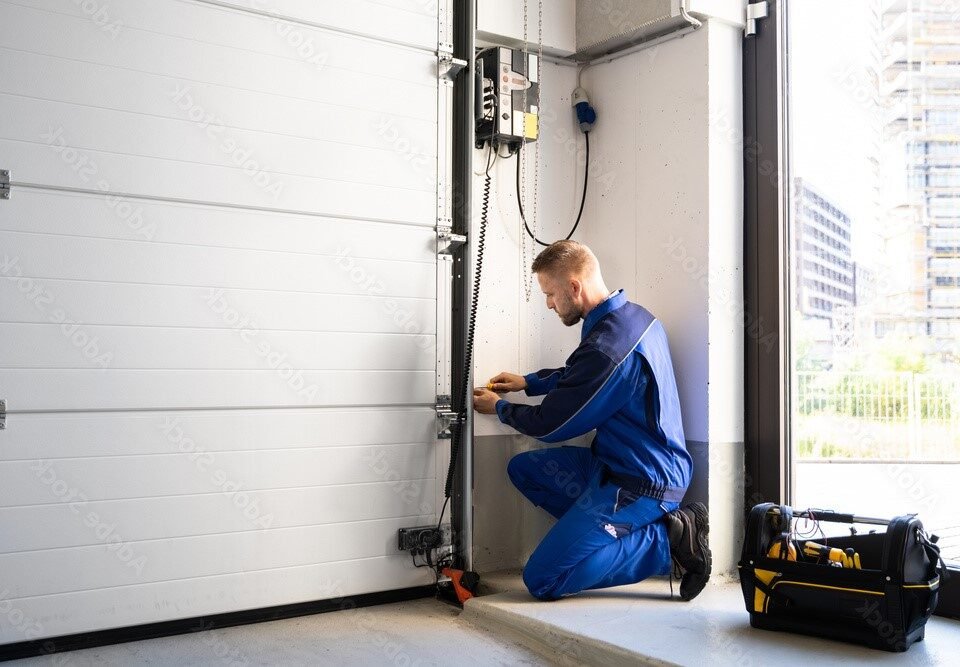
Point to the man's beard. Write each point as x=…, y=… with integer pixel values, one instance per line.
x=569, y=316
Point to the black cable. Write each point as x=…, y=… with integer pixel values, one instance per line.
x=445, y=500
x=583, y=197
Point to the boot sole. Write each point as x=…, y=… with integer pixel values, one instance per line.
x=702, y=522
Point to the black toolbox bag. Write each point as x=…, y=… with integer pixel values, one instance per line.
x=884, y=605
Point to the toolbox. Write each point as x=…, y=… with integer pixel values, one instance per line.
x=875, y=588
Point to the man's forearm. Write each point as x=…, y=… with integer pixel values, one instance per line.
x=542, y=381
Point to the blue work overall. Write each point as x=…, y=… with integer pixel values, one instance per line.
x=609, y=498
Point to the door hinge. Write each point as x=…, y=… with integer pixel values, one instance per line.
x=447, y=241
x=4, y=184
x=445, y=417
x=3, y=413
x=448, y=67
x=755, y=12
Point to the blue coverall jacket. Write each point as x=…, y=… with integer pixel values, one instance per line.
x=608, y=499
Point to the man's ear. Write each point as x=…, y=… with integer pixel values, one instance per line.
x=576, y=287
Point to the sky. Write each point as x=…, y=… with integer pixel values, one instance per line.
x=831, y=113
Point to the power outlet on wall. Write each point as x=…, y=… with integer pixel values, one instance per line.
x=422, y=538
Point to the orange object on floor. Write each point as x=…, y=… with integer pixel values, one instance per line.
x=464, y=582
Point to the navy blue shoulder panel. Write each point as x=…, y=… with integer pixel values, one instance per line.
x=618, y=333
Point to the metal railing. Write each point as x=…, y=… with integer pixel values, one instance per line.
x=876, y=415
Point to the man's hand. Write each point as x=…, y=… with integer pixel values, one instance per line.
x=505, y=382
x=485, y=401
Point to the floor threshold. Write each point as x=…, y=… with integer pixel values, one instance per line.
x=640, y=624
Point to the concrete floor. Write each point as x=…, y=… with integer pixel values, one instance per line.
x=628, y=625
x=405, y=634
x=640, y=624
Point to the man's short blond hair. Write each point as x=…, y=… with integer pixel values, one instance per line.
x=564, y=258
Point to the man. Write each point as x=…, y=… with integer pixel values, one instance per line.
x=617, y=504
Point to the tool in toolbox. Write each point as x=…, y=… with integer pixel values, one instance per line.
x=875, y=588
x=840, y=557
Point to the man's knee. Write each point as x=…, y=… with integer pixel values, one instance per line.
x=539, y=583
x=518, y=469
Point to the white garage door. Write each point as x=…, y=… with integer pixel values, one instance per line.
x=218, y=305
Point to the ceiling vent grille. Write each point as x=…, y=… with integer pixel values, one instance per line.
x=606, y=26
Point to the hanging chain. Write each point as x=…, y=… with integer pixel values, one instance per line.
x=525, y=254
x=536, y=153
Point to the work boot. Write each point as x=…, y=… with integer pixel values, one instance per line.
x=688, y=529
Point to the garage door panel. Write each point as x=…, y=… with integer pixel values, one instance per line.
x=117, y=304
x=50, y=346
x=181, y=140
x=184, y=27
x=105, y=260
x=149, y=603
x=66, y=435
x=364, y=67
x=154, y=561
x=76, y=214
x=414, y=20
x=113, y=389
x=112, y=478
x=341, y=92
x=134, y=175
x=220, y=357
x=109, y=88
x=63, y=525
x=200, y=474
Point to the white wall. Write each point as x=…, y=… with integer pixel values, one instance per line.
x=669, y=141
x=501, y=22
x=664, y=215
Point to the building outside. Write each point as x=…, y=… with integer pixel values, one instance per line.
x=823, y=258
x=919, y=86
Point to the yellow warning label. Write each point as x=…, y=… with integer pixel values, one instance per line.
x=531, y=126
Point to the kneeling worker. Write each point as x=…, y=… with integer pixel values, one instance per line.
x=617, y=503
